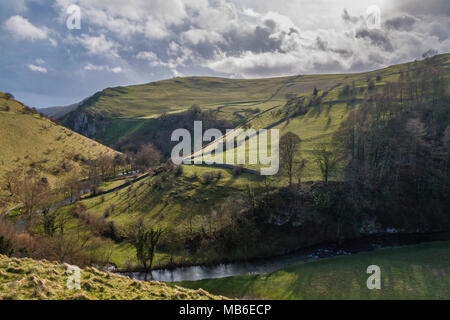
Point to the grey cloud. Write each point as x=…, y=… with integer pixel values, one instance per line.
x=429, y=53
x=404, y=22
x=421, y=7
x=348, y=18
x=322, y=45
x=332, y=65
x=376, y=37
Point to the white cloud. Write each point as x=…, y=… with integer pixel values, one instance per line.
x=23, y=29
x=251, y=13
x=93, y=67
x=147, y=55
x=99, y=45
x=155, y=29
x=36, y=68
x=196, y=36
x=39, y=61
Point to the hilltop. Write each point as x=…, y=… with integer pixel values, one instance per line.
x=27, y=279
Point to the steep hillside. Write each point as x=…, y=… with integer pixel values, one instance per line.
x=30, y=141
x=130, y=113
x=315, y=118
x=125, y=109
x=27, y=279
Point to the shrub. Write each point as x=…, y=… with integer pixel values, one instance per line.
x=208, y=177
x=6, y=246
x=238, y=170
x=179, y=171
x=370, y=84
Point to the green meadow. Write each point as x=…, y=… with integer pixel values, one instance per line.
x=412, y=272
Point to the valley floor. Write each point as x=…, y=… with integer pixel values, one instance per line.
x=412, y=272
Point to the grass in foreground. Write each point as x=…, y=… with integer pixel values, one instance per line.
x=27, y=279
x=412, y=272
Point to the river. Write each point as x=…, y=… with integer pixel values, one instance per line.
x=269, y=265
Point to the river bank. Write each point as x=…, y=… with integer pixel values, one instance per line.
x=270, y=264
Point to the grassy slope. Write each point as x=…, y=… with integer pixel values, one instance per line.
x=320, y=122
x=173, y=204
x=231, y=95
x=124, y=110
x=412, y=272
x=27, y=279
x=181, y=201
x=30, y=140
x=127, y=107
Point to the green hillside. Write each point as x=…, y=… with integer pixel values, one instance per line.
x=131, y=113
x=177, y=202
x=412, y=272
x=321, y=120
x=27, y=279
x=30, y=141
x=196, y=204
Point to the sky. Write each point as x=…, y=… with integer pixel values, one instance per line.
x=45, y=63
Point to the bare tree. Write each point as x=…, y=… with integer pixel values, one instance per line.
x=145, y=240
x=147, y=157
x=328, y=160
x=289, y=144
x=31, y=190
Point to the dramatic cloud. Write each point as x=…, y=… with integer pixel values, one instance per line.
x=404, y=22
x=137, y=41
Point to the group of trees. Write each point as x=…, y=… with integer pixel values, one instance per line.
x=325, y=155
x=145, y=238
x=44, y=222
x=394, y=154
x=395, y=148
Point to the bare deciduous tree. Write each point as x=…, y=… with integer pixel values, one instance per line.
x=145, y=240
x=328, y=160
x=289, y=144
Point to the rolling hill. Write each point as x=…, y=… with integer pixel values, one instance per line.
x=136, y=112
x=31, y=141
x=189, y=203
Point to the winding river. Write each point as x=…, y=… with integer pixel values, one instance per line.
x=269, y=265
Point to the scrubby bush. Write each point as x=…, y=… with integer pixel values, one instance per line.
x=208, y=177
x=237, y=171
x=179, y=171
